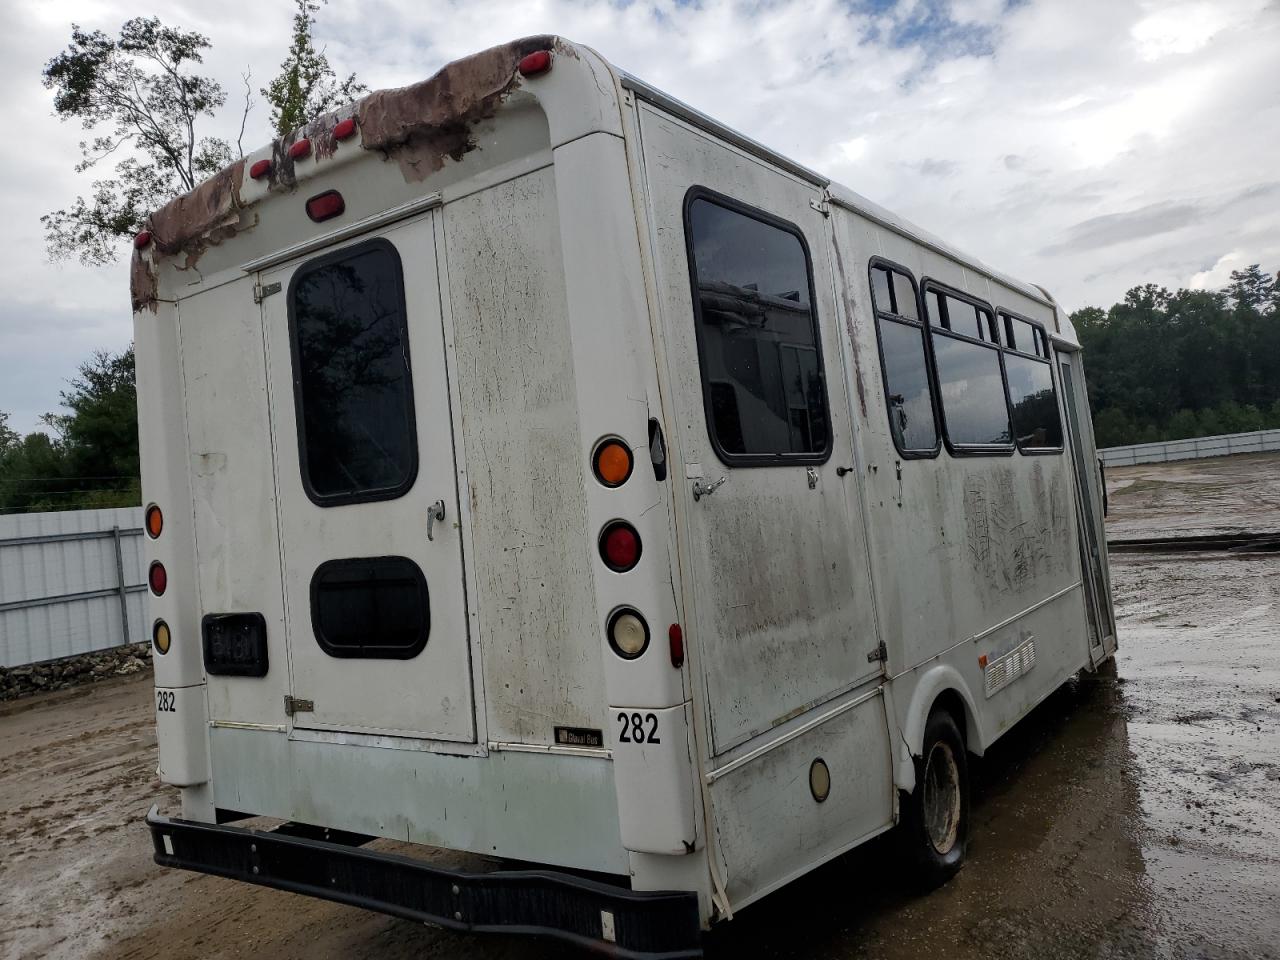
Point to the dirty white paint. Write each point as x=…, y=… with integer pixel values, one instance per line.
x=549, y=308
x=531, y=549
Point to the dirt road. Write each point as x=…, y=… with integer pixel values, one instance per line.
x=1134, y=815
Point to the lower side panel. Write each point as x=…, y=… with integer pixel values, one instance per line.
x=543, y=808
x=772, y=817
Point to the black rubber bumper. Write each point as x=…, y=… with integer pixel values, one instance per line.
x=645, y=924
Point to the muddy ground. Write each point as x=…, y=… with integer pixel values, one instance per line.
x=1132, y=815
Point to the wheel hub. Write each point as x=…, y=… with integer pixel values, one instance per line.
x=942, y=798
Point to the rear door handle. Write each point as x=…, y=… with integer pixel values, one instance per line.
x=434, y=512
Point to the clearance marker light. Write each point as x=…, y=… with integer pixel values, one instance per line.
x=299, y=149
x=260, y=169
x=345, y=129
x=535, y=63
x=142, y=239
x=675, y=636
x=325, y=206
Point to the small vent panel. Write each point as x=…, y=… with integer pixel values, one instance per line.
x=1018, y=661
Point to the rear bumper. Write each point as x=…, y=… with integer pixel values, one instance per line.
x=643, y=924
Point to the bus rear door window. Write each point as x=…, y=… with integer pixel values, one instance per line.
x=353, y=393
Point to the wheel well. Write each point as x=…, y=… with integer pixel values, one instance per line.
x=953, y=703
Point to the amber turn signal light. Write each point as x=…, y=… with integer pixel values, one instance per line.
x=612, y=463
x=155, y=521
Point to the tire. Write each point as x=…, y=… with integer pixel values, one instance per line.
x=934, y=828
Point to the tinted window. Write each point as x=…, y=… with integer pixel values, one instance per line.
x=370, y=607
x=351, y=369
x=971, y=392
x=904, y=296
x=1022, y=335
x=757, y=336
x=1036, y=423
x=908, y=394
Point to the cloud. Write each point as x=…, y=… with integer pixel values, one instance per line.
x=1148, y=221
x=1088, y=146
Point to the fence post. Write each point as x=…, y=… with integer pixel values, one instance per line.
x=124, y=594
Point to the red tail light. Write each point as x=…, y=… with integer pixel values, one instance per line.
x=325, y=206
x=620, y=546
x=535, y=63
x=157, y=578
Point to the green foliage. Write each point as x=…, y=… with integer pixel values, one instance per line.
x=146, y=107
x=93, y=460
x=138, y=95
x=1170, y=366
x=306, y=86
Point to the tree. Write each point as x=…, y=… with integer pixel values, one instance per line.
x=147, y=109
x=1251, y=288
x=1186, y=364
x=138, y=95
x=1182, y=426
x=92, y=461
x=307, y=86
x=7, y=436
x=101, y=431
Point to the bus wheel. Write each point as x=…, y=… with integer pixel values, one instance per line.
x=935, y=816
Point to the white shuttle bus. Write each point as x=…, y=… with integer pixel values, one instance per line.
x=538, y=468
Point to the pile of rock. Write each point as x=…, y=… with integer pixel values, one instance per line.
x=71, y=671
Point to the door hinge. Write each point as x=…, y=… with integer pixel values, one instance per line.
x=292, y=705
x=881, y=653
x=261, y=293
x=821, y=206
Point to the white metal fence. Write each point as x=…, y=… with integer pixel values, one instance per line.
x=70, y=582
x=1196, y=448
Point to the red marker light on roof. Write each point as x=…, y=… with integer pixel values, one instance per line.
x=260, y=169
x=325, y=206
x=535, y=63
x=345, y=129
x=142, y=239
x=299, y=149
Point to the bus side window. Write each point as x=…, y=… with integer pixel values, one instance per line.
x=1037, y=425
x=758, y=348
x=970, y=373
x=908, y=392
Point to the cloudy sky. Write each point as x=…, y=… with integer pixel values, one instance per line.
x=1086, y=145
